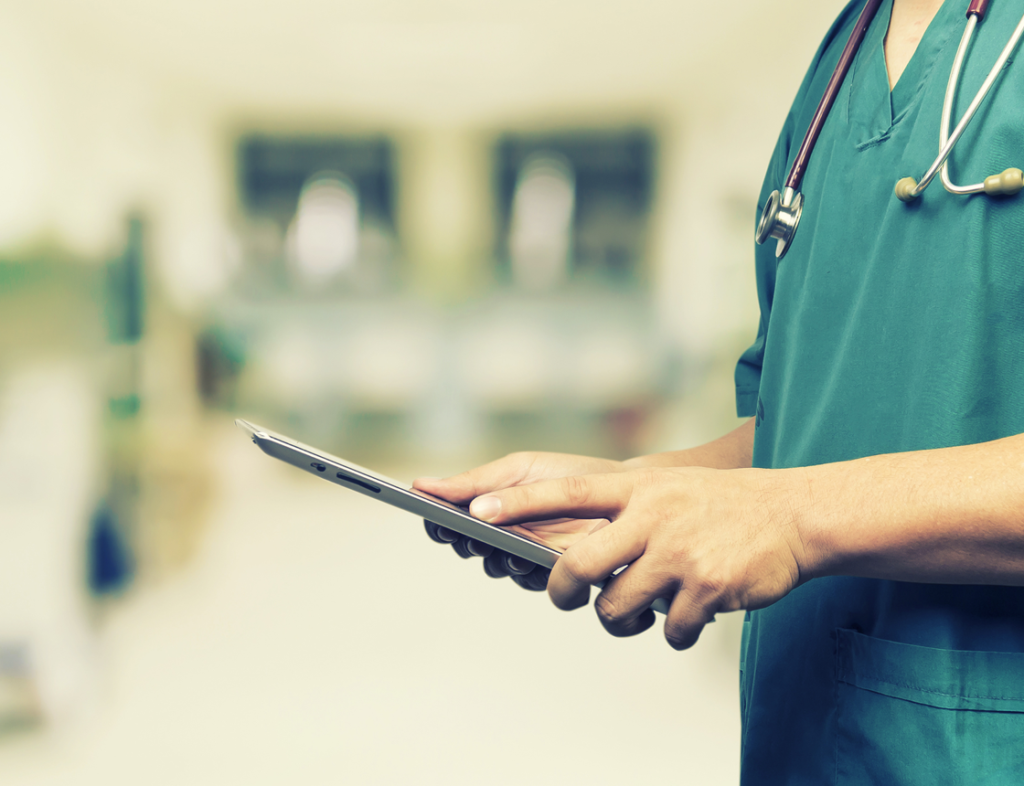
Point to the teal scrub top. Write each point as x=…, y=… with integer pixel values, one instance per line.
x=890, y=327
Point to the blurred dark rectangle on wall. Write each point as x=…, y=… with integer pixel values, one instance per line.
x=319, y=215
x=272, y=171
x=612, y=174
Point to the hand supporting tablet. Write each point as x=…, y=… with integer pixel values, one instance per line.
x=497, y=564
x=538, y=543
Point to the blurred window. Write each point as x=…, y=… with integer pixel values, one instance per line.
x=574, y=207
x=540, y=227
x=319, y=212
x=323, y=238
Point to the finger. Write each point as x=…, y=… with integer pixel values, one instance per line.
x=517, y=566
x=686, y=620
x=624, y=605
x=467, y=547
x=463, y=487
x=461, y=547
x=479, y=549
x=559, y=534
x=539, y=576
x=579, y=496
x=592, y=560
x=440, y=534
x=494, y=565
x=535, y=581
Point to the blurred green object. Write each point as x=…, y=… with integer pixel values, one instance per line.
x=125, y=288
x=50, y=303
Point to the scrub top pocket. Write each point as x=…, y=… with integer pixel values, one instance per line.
x=914, y=715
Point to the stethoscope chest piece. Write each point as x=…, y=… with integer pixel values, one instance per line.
x=779, y=219
x=781, y=214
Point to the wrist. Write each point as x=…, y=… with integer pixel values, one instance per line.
x=803, y=504
x=823, y=516
x=692, y=457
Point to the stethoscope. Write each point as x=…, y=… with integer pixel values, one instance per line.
x=781, y=214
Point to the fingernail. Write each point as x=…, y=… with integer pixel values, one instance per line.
x=485, y=508
x=447, y=535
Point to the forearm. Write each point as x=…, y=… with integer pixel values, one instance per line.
x=735, y=450
x=954, y=515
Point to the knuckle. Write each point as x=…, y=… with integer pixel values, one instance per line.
x=646, y=477
x=609, y=613
x=520, y=463
x=576, y=489
x=577, y=566
x=708, y=586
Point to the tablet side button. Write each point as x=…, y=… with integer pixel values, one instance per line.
x=358, y=482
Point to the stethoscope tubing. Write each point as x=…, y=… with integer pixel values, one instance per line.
x=780, y=216
x=948, y=141
x=860, y=29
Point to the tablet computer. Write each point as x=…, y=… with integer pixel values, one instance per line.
x=352, y=476
x=360, y=479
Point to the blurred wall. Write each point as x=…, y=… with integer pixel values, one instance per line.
x=115, y=105
x=119, y=141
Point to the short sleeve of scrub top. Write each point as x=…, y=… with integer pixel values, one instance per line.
x=890, y=327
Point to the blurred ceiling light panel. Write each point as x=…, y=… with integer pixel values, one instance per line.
x=323, y=238
x=540, y=238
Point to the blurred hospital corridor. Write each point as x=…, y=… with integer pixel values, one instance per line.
x=418, y=234
x=322, y=638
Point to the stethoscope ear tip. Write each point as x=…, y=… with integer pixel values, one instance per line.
x=1005, y=183
x=906, y=190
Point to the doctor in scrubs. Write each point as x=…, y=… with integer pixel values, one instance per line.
x=869, y=517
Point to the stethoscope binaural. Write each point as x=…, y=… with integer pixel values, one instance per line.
x=781, y=214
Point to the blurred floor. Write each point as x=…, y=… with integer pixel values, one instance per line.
x=321, y=638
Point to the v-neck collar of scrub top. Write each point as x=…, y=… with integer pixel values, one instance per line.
x=872, y=110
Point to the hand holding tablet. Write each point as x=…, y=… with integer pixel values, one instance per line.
x=440, y=502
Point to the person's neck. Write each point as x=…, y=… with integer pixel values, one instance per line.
x=910, y=19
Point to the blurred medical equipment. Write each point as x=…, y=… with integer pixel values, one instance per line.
x=781, y=214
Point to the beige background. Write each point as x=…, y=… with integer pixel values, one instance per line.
x=281, y=630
